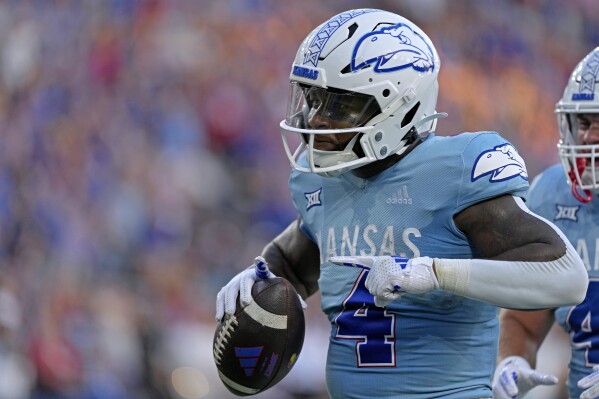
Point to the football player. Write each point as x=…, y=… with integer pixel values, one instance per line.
x=412, y=239
x=564, y=194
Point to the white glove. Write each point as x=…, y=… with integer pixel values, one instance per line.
x=241, y=285
x=514, y=378
x=391, y=276
x=591, y=382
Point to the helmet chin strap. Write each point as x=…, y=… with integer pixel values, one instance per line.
x=580, y=166
x=324, y=159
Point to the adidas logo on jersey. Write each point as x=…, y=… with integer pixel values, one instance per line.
x=400, y=197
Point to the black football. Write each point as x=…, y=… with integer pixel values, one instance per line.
x=257, y=346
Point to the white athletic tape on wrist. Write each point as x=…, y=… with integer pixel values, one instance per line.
x=453, y=274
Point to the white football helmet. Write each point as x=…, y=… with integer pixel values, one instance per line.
x=581, y=95
x=373, y=73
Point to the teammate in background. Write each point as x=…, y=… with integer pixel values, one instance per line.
x=413, y=240
x=564, y=194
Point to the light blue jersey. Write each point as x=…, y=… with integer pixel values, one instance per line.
x=421, y=346
x=550, y=197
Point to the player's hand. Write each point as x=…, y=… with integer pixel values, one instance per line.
x=240, y=285
x=514, y=378
x=591, y=385
x=391, y=276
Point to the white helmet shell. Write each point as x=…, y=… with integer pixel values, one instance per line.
x=373, y=53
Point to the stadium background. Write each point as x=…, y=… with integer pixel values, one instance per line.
x=141, y=167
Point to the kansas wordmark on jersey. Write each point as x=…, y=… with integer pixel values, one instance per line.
x=367, y=240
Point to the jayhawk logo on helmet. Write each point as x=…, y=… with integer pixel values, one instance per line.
x=406, y=49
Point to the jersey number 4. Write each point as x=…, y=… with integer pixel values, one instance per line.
x=372, y=327
x=583, y=320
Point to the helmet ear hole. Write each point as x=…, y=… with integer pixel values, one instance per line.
x=409, y=116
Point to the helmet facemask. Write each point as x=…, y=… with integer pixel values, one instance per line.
x=317, y=111
x=580, y=161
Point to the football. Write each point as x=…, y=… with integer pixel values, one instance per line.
x=258, y=345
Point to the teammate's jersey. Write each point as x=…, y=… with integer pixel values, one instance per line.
x=550, y=197
x=420, y=346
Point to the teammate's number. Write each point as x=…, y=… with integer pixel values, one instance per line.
x=372, y=327
x=584, y=324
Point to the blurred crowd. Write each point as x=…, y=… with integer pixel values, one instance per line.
x=141, y=167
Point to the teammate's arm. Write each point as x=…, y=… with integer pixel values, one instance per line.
x=522, y=334
x=293, y=256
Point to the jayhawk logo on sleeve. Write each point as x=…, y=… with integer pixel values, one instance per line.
x=502, y=163
x=405, y=48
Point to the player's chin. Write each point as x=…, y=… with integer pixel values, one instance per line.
x=327, y=146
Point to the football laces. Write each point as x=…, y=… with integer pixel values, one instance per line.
x=229, y=324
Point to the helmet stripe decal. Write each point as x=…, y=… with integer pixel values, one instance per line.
x=322, y=36
x=588, y=77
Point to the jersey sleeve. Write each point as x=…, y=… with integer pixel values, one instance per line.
x=492, y=167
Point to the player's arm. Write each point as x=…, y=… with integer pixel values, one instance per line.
x=293, y=256
x=500, y=229
x=523, y=261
